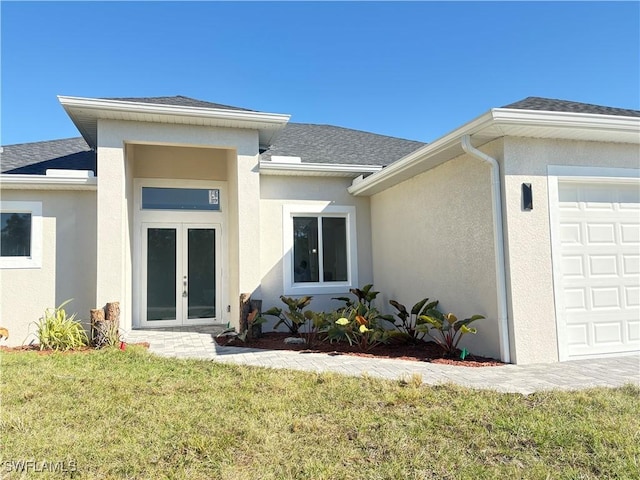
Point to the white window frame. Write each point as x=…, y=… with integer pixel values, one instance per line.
x=35, y=259
x=347, y=212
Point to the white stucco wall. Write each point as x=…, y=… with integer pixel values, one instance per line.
x=432, y=237
x=116, y=171
x=277, y=191
x=68, y=263
x=528, y=239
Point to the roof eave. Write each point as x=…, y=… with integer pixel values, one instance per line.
x=503, y=122
x=268, y=167
x=10, y=181
x=80, y=109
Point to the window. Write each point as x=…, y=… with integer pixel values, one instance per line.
x=160, y=198
x=320, y=249
x=21, y=234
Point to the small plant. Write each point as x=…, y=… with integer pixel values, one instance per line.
x=317, y=324
x=294, y=318
x=447, y=329
x=359, y=322
x=410, y=320
x=56, y=331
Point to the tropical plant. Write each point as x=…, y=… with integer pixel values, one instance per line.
x=410, y=320
x=364, y=296
x=446, y=330
x=56, y=331
x=317, y=324
x=294, y=318
x=357, y=330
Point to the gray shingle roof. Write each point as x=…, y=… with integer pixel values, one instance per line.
x=179, y=101
x=337, y=145
x=553, y=105
x=35, y=158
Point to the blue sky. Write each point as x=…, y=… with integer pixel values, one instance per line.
x=414, y=70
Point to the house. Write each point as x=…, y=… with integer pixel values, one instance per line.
x=528, y=215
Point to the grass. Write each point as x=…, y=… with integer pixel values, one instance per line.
x=132, y=415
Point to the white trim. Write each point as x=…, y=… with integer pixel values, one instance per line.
x=47, y=182
x=318, y=209
x=339, y=169
x=557, y=174
x=35, y=259
x=573, y=173
x=501, y=122
x=159, y=109
x=218, y=219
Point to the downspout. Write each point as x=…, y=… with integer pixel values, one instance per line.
x=498, y=244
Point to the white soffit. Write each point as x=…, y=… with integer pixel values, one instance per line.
x=269, y=167
x=504, y=122
x=56, y=181
x=85, y=113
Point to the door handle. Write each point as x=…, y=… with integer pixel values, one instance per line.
x=184, y=288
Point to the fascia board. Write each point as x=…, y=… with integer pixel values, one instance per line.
x=19, y=181
x=175, y=110
x=504, y=117
x=347, y=170
x=399, y=170
x=495, y=124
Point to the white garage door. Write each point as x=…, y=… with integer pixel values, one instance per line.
x=597, y=267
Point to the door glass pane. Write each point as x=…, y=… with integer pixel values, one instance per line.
x=305, y=249
x=161, y=274
x=334, y=249
x=16, y=235
x=202, y=272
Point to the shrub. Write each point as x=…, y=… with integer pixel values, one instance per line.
x=294, y=318
x=446, y=330
x=410, y=320
x=359, y=322
x=56, y=331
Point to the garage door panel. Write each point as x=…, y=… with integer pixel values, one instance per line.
x=603, y=265
x=601, y=234
x=572, y=266
x=630, y=264
x=632, y=297
x=605, y=298
x=570, y=234
x=633, y=330
x=629, y=234
x=597, y=268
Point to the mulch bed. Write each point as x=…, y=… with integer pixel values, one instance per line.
x=421, y=352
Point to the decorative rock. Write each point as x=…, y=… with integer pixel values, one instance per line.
x=294, y=340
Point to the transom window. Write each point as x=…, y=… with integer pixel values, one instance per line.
x=320, y=254
x=20, y=234
x=165, y=198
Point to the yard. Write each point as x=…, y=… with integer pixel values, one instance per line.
x=127, y=414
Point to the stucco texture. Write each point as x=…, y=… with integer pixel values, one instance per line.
x=433, y=237
x=277, y=191
x=528, y=238
x=128, y=150
x=68, y=268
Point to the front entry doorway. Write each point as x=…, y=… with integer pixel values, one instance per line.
x=180, y=274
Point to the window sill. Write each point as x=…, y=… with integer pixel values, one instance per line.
x=317, y=289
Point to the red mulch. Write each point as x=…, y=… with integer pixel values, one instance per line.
x=421, y=352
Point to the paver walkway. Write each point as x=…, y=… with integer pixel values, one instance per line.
x=572, y=375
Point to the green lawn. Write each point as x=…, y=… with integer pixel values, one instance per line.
x=129, y=414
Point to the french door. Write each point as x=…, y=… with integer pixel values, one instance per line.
x=180, y=274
